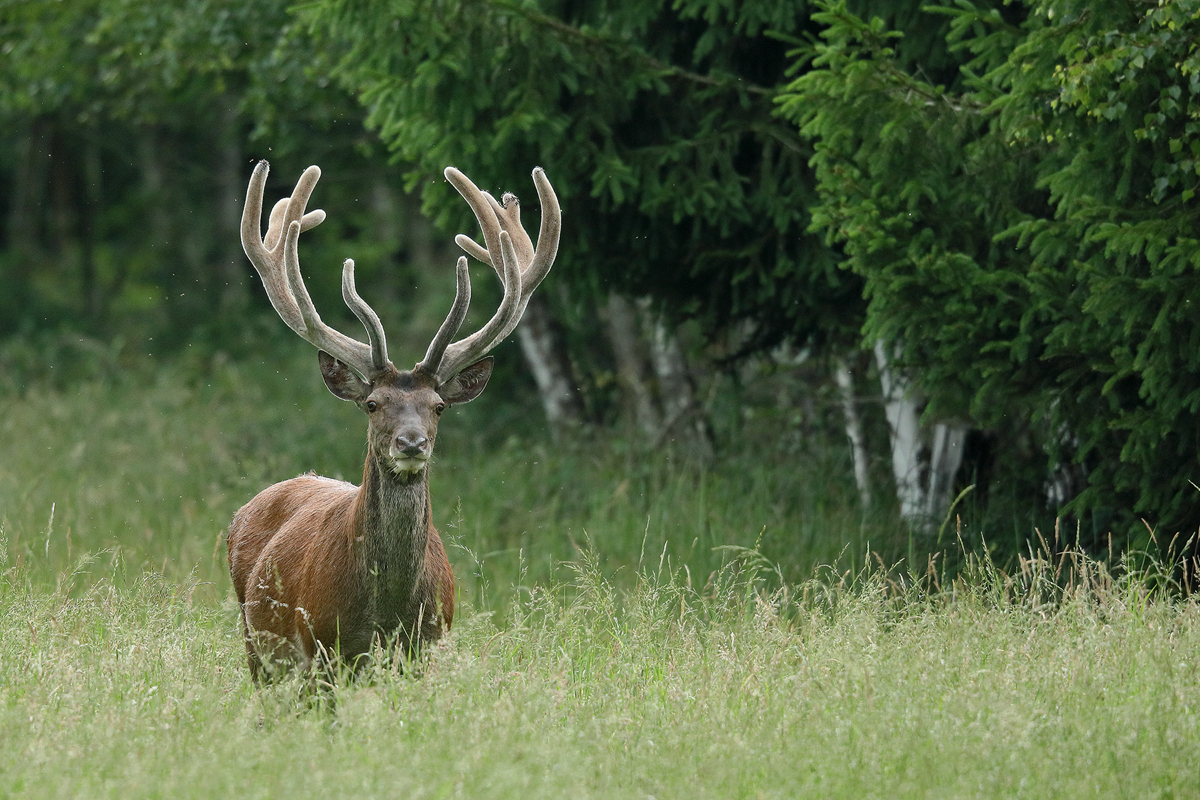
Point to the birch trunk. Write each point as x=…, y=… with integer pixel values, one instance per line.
x=622, y=325
x=924, y=466
x=903, y=415
x=154, y=185
x=676, y=392
x=94, y=296
x=854, y=430
x=945, y=457
x=30, y=179
x=542, y=347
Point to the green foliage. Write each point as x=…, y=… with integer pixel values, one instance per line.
x=1027, y=230
x=905, y=200
x=123, y=131
x=127, y=58
x=1124, y=229
x=653, y=121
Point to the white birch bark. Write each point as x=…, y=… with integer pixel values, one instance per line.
x=924, y=488
x=854, y=430
x=902, y=409
x=622, y=326
x=676, y=393
x=546, y=360
x=945, y=458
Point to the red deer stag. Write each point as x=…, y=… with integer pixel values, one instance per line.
x=323, y=568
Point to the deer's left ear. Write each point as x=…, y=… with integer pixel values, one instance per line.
x=468, y=384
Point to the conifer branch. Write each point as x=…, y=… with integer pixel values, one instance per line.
x=624, y=49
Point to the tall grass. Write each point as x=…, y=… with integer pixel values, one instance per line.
x=850, y=685
x=632, y=625
x=153, y=465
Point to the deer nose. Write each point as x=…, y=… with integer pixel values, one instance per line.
x=411, y=445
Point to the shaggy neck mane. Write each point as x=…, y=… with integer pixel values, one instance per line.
x=393, y=519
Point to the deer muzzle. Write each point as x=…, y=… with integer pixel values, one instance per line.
x=409, y=451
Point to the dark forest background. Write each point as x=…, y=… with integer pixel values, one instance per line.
x=959, y=241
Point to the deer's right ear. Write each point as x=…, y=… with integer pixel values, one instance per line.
x=341, y=380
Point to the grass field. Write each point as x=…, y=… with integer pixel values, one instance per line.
x=607, y=645
x=153, y=467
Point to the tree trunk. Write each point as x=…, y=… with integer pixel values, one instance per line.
x=676, y=392
x=622, y=326
x=159, y=232
x=61, y=225
x=89, y=208
x=654, y=378
x=541, y=343
x=154, y=184
x=901, y=407
x=854, y=430
x=387, y=233
x=924, y=468
x=26, y=220
x=30, y=177
x=945, y=457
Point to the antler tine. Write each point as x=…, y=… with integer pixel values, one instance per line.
x=366, y=315
x=550, y=229
x=260, y=252
x=275, y=226
x=466, y=352
x=485, y=213
x=542, y=257
x=508, y=212
x=474, y=250
x=496, y=218
x=351, y=352
x=277, y=262
x=454, y=321
x=508, y=216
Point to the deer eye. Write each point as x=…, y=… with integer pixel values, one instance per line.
x=439, y=408
x=372, y=405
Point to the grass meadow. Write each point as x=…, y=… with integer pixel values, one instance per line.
x=631, y=625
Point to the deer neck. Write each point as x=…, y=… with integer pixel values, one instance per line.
x=391, y=531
